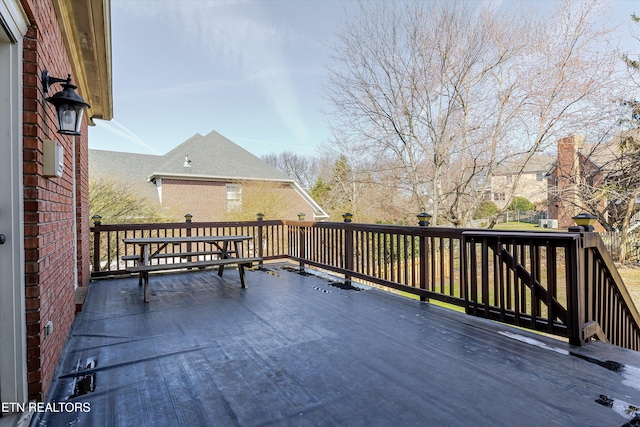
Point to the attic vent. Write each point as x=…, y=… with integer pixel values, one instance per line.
x=187, y=162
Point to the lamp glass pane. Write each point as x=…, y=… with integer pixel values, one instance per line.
x=69, y=119
x=66, y=118
x=79, y=112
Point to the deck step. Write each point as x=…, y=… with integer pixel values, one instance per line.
x=81, y=296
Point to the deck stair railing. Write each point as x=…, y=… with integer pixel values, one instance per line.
x=555, y=282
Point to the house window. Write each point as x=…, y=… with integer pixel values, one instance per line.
x=498, y=197
x=234, y=198
x=508, y=178
x=539, y=176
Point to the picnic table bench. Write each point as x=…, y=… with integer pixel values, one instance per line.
x=226, y=249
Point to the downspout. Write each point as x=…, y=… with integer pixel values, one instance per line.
x=75, y=215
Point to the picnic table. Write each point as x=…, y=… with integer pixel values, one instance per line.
x=223, y=250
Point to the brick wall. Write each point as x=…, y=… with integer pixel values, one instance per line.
x=567, y=174
x=49, y=208
x=206, y=200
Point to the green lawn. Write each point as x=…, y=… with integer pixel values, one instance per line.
x=630, y=274
x=519, y=226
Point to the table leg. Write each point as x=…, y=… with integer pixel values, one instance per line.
x=237, y=247
x=223, y=255
x=241, y=272
x=146, y=287
x=144, y=259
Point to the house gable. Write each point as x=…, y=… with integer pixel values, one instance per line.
x=215, y=156
x=192, y=177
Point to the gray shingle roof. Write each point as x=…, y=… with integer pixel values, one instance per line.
x=130, y=169
x=537, y=163
x=604, y=154
x=215, y=156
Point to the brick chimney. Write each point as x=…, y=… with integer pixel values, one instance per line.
x=568, y=175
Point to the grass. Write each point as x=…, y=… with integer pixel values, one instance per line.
x=631, y=276
x=630, y=273
x=519, y=226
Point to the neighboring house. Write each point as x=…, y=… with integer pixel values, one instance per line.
x=44, y=225
x=579, y=165
x=207, y=176
x=531, y=184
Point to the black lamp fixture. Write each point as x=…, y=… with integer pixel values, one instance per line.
x=346, y=217
x=69, y=105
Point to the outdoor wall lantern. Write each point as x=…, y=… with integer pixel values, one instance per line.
x=347, y=217
x=259, y=216
x=69, y=105
x=424, y=219
x=301, y=216
x=188, y=218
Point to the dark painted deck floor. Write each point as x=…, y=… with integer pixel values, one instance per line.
x=294, y=350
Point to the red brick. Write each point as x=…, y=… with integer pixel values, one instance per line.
x=34, y=376
x=49, y=211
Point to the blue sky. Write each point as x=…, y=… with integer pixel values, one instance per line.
x=250, y=69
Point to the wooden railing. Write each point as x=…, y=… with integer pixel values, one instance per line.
x=418, y=260
x=269, y=241
x=608, y=310
x=560, y=283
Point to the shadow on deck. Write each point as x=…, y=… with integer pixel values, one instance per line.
x=293, y=349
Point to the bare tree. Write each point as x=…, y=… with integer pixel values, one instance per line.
x=268, y=198
x=611, y=191
x=302, y=169
x=440, y=93
x=118, y=204
x=345, y=184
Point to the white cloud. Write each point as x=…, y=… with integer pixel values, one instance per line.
x=120, y=130
x=182, y=88
x=259, y=141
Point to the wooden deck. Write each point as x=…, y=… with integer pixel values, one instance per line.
x=296, y=350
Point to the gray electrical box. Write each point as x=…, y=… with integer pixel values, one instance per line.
x=52, y=158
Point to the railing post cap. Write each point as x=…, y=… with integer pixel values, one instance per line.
x=424, y=219
x=585, y=220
